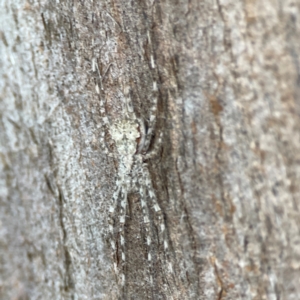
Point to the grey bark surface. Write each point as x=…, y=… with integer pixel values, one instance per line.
x=227, y=171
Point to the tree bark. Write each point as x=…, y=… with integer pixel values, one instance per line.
x=227, y=170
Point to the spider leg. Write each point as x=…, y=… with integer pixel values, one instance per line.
x=122, y=220
x=111, y=224
x=120, y=193
x=155, y=207
x=146, y=222
x=152, y=118
x=163, y=236
x=154, y=99
x=155, y=150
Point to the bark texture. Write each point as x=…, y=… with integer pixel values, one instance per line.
x=227, y=174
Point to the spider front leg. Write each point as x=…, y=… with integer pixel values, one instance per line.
x=154, y=151
x=145, y=142
x=146, y=134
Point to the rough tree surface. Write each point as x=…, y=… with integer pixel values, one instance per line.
x=226, y=173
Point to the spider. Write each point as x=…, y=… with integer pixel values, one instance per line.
x=133, y=176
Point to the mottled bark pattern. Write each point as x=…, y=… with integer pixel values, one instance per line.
x=226, y=175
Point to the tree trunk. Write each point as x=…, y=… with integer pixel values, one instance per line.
x=223, y=161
